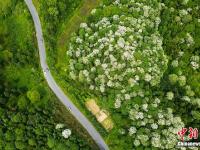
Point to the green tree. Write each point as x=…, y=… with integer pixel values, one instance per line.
x=33, y=96
x=32, y=142
x=173, y=78
x=7, y=55
x=20, y=145
x=22, y=103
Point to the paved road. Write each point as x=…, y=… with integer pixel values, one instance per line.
x=53, y=85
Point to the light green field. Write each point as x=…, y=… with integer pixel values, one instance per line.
x=71, y=26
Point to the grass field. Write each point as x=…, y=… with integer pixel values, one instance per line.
x=71, y=26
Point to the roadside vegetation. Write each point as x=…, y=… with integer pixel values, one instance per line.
x=56, y=43
x=31, y=117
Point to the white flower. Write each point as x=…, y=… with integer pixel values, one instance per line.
x=146, y=11
x=180, y=54
x=126, y=54
x=195, y=58
x=160, y=116
x=104, y=66
x=154, y=105
x=93, y=11
x=86, y=73
x=132, y=82
x=112, y=58
x=141, y=93
x=175, y=63
x=127, y=97
x=78, y=53
x=157, y=100
x=190, y=40
x=91, y=87
x=97, y=62
x=161, y=122
x=132, y=130
x=147, y=77
x=110, y=84
x=121, y=30
x=83, y=25
x=182, y=80
x=136, y=143
x=85, y=60
x=72, y=75
x=66, y=133
x=95, y=51
x=102, y=88
x=69, y=53
x=121, y=42
x=183, y=12
x=139, y=115
x=93, y=69
x=79, y=40
x=115, y=17
x=155, y=141
x=186, y=98
x=154, y=126
x=170, y=95
x=137, y=78
x=144, y=107
x=194, y=65
x=59, y=126
x=117, y=103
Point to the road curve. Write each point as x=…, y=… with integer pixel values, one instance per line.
x=53, y=85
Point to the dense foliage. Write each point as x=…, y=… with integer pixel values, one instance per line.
x=28, y=109
x=140, y=59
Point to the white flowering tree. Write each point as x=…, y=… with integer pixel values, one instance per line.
x=66, y=133
x=121, y=51
x=153, y=126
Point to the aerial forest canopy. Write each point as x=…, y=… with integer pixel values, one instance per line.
x=129, y=56
x=135, y=62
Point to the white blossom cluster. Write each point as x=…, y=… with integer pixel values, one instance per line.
x=119, y=51
x=60, y=126
x=189, y=40
x=195, y=61
x=66, y=133
x=153, y=126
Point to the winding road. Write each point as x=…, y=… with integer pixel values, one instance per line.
x=53, y=85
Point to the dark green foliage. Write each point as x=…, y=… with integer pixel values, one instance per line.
x=27, y=106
